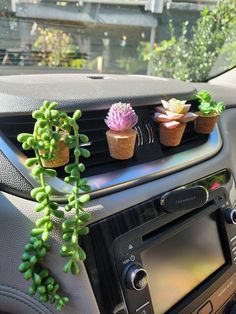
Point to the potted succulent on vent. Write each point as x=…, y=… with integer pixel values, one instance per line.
x=52, y=129
x=209, y=111
x=121, y=136
x=172, y=117
x=61, y=155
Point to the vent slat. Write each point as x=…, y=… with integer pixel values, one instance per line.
x=29, y=126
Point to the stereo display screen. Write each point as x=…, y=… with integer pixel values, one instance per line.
x=180, y=263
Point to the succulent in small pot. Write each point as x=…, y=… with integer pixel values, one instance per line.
x=121, y=136
x=61, y=155
x=209, y=111
x=50, y=126
x=172, y=117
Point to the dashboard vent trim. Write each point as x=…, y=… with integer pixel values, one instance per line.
x=115, y=181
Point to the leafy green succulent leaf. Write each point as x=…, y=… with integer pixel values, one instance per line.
x=207, y=105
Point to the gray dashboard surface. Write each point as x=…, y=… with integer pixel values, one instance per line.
x=21, y=94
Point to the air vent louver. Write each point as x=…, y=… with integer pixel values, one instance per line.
x=92, y=124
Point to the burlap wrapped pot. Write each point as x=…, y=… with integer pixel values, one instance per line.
x=204, y=124
x=121, y=143
x=62, y=154
x=171, y=137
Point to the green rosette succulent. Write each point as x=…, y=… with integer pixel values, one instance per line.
x=207, y=105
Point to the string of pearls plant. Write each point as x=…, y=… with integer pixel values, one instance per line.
x=50, y=124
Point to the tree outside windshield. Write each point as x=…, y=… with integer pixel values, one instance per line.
x=189, y=40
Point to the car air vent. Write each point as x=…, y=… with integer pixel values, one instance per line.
x=92, y=123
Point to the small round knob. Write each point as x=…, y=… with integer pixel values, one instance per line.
x=230, y=216
x=136, y=278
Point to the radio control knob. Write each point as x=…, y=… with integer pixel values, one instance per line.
x=136, y=277
x=230, y=216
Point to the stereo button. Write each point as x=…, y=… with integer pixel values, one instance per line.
x=206, y=309
x=136, y=278
x=230, y=216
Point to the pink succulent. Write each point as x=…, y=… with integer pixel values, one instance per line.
x=121, y=117
x=173, y=112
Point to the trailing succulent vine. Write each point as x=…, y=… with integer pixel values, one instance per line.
x=75, y=226
x=49, y=126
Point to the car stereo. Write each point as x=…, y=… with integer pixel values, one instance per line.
x=175, y=253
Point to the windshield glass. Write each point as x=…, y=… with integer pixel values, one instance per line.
x=189, y=39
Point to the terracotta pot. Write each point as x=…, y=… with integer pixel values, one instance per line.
x=171, y=137
x=121, y=143
x=204, y=124
x=62, y=155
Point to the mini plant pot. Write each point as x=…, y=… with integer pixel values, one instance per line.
x=62, y=155
x=204, y=124
x=121, y=143
x=171, y=137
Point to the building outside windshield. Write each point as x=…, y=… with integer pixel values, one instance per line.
x=189, y=39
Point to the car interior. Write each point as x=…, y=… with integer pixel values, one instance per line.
x=127, y=218
x=162, y=232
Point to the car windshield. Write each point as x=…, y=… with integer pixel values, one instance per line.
x=189, y=40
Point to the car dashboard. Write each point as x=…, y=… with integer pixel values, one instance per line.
x=120, y=190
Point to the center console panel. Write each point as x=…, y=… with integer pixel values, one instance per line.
x=174, y=253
